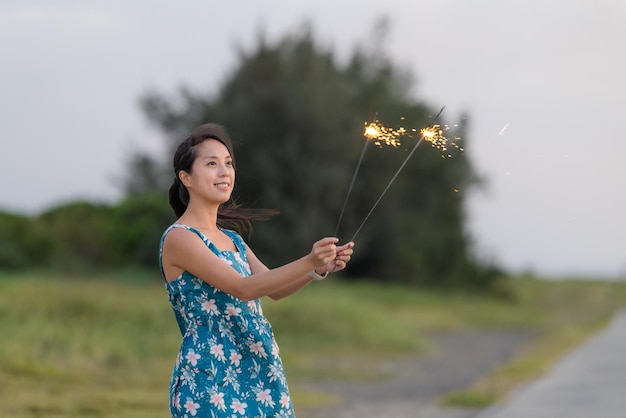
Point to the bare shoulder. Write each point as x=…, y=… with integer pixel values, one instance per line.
x=181, y=241
x=183, y=250
x=181, y=235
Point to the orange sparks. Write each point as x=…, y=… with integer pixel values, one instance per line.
x=383, y=135
x=435, y=134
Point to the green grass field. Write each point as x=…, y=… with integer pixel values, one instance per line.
x=104, y=345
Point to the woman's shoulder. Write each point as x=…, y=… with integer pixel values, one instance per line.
x=179, y=231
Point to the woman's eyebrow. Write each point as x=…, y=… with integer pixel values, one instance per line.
x=215, y=157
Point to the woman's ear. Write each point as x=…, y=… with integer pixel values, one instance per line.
x=184, y=178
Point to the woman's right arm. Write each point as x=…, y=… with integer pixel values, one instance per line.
x=185, y=251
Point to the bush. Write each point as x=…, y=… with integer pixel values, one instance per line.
x=77, y=234
x=21, y=242
x=135, y=229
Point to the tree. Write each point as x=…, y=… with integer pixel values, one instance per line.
x=135, y=227
x=21, y=243
x=76, y=234
x=296, y=116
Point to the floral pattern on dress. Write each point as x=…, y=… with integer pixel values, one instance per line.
x=228, y=364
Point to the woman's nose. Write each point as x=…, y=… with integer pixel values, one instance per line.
x=223, y=170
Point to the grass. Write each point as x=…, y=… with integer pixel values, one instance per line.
x=104, y=345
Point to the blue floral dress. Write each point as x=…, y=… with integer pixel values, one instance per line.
x=228, y=364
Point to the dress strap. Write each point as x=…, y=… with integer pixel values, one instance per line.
x=203, y=237
x=238, y=241
x=234, y=236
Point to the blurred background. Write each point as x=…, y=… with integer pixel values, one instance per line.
x=96, y=95
x=539, y=84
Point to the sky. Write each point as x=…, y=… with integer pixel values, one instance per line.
x=543, y=83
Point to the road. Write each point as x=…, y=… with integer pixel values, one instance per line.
x=589, y=382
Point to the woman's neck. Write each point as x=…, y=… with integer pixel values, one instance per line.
x=202, y=217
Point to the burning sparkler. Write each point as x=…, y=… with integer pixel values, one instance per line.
x=433, y=134
x=384, y=135
x=372, y=132
x=381, y=134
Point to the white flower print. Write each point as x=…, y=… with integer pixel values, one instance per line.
x=235, y=357
x=218, y=351
x=232, y=310
x=213, y=371
x=191, y=407
x=238, y=407
x=225, y=330
x=285, y=400
x=257, y=348
x=252, y=305
x=274, y=373
x=232, y=378
x=245, y=267
x=192, y=357
x=188, y=377
x=217, y=399
x=265, y=398
x=210, y=307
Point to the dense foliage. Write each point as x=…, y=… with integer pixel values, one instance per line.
x=86, y=235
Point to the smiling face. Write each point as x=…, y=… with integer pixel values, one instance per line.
x=212, y=175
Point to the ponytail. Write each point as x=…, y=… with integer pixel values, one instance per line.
x=179, y=197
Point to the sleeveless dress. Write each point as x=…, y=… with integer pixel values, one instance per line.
x=228, y=364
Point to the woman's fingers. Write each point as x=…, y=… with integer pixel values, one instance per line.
x=328, y=254
x=342, y=258
x=325, y=250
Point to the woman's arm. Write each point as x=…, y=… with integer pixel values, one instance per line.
x=258, y=267
x=185, y=251
x=338, y=263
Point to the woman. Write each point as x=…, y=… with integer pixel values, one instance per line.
x=228, y=363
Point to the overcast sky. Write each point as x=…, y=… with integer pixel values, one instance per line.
x=542, y=80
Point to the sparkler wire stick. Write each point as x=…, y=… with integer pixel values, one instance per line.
x=356, y=171
x=393, y=179
x=345, y=202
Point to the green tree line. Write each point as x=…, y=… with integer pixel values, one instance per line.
x=296, y=114
x=86, y=235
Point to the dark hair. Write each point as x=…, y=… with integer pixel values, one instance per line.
x=229, y=215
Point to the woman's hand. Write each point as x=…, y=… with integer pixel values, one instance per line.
x=343, y=255
x=323, y=252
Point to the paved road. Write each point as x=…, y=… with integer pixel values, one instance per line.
x=452, y=363
x=588, y=383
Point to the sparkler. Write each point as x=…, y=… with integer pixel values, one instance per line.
x=369, y=131
x=433, y=134
x=379, y=134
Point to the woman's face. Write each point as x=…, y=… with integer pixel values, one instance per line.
x=212, y=176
